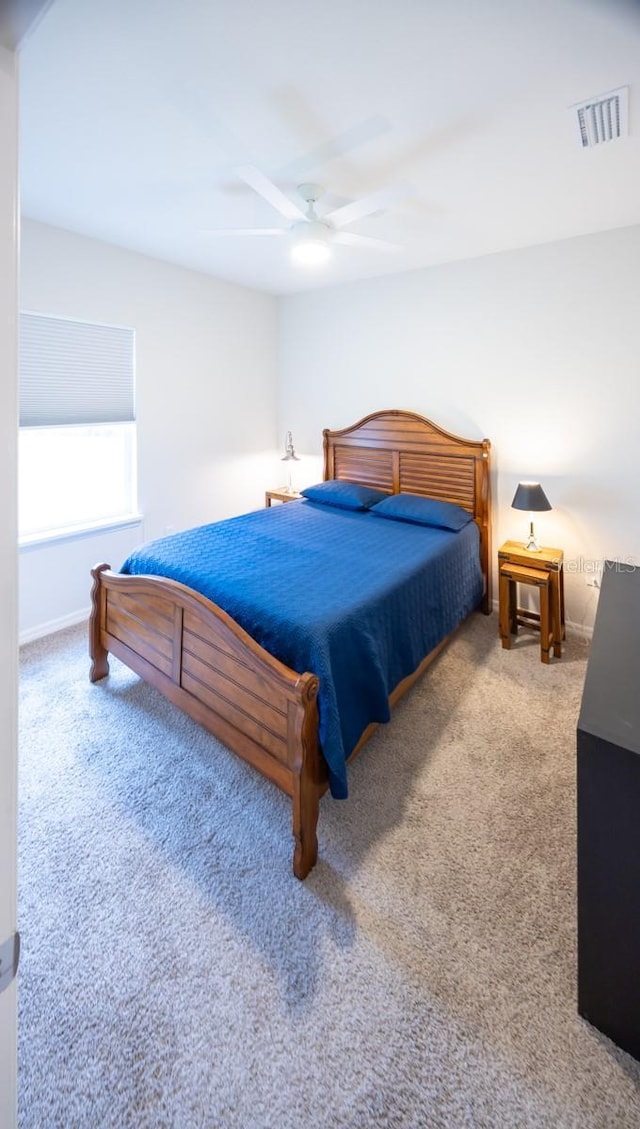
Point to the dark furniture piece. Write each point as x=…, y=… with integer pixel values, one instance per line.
x=609, y=816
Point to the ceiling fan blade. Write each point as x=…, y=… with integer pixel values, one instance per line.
x=331, y=149
x=375, y=202
x=242, y=231
x=270, y=192
x=365, y=241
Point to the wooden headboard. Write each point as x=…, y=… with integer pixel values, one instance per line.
x=400, y=451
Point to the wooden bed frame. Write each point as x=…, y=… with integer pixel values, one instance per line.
x=205, y=663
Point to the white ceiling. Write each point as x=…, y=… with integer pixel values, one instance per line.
x=135, y=114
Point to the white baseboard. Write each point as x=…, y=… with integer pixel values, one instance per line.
x=39, y=632
x=579, y=631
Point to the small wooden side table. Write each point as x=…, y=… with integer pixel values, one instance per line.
x=544, y=569
x=280, y=495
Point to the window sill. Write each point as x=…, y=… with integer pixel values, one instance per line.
x=73, y=532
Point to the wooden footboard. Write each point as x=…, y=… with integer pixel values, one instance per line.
x=202, y=661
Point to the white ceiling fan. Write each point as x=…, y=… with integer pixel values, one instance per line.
x=311, y=235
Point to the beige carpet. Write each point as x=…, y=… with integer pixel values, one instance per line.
x=175, y=974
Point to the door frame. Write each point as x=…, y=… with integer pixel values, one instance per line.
x=9, y=228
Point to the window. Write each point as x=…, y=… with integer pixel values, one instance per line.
x=77, y=444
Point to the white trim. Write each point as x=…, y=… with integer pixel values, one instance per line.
x=9, y=241
x=81, y=321
x=53, y=625
x=579, y=631
x=34, y=540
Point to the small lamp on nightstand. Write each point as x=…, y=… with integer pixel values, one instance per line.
x=289, y=457
x=530, y=496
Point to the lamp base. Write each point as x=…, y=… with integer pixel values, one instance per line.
x=532, y=545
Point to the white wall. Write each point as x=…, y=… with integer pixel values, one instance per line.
x=206, y=401
x=8, y=570
x=539, y=350
x=55, y=580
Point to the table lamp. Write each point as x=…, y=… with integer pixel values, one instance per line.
x=289, y=457
x=530, y=496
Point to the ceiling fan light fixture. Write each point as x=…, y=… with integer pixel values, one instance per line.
x=310, y=243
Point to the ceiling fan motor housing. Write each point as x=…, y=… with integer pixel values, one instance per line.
x=310, y=193
x=311, y=231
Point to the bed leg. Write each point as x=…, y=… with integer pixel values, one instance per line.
x=306, y=783
x=306, y=808
x=487, y=599
x=97, y=652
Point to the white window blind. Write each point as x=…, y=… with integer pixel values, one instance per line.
x=74, y=372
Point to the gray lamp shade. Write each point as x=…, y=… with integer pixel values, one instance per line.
x=530, y=496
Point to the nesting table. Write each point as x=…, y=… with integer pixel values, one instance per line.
x=542, y=569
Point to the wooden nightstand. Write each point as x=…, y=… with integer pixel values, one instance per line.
x=280, y=495
x=544, y=570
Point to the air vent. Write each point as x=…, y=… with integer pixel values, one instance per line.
x=604, y=118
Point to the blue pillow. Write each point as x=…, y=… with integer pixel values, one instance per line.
x=423, y=511
x=345, y=495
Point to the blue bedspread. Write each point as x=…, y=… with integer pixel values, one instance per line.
x=357, y=600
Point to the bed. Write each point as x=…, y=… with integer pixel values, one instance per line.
x=212, y=646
